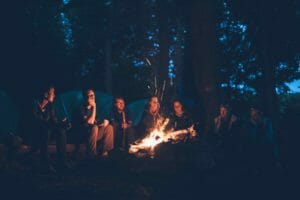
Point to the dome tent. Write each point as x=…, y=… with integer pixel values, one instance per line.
x=137, y=108
x=66, y=103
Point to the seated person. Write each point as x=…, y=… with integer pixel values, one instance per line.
x=225, y=122
x=261, y=145
x=150, y=117
x=120, y=118
x=180, y=119
x=225, y=132
x=46, y=123
x=88, y=128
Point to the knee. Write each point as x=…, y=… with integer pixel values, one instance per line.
x=109, y=129
x=94, y=131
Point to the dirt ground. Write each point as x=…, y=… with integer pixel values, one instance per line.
x=181, y=171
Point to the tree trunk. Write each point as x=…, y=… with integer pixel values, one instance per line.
x=204, y=53
x=178, y=82
x=268, y=91
x=162, y=68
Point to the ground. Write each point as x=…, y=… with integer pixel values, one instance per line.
x=178, y=171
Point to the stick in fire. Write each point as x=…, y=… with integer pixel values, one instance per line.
x=124, y=130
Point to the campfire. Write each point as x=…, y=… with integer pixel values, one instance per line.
x=148, y=144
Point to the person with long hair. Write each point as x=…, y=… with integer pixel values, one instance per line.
x=179, y=118
x=150, y=117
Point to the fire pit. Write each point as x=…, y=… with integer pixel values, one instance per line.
x=147, y=145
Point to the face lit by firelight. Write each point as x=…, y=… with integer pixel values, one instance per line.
x=50, y=95
x=119, y=104
x=154, y=104
x=90, y=97
x=177, y=106
x=224, y=112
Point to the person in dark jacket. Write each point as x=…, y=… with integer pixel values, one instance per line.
x=47, y=123
x=225, y=122
x=224, y=134
x=120, y=118
x=180, y=119
x=261, y=144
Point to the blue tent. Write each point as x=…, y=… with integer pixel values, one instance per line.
x=137, y=108
x=68, y=102
x=9, y=115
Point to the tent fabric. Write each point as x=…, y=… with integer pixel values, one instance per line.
x=137, y=108
x=68, y=102
x=65, y=105
x=9, y=115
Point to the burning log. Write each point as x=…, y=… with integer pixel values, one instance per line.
x=148, y=144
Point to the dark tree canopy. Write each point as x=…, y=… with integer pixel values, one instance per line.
x=137, y=48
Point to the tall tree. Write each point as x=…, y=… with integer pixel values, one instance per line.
x=164, y=40
x=204, y=60
x=267, y=62
x=272, y=26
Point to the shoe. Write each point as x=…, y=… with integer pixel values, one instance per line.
x=104, y=154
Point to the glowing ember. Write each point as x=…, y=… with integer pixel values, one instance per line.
x=158, y=136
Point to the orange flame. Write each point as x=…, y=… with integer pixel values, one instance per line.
x=158, y=136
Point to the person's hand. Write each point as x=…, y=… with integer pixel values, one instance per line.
x=125, y=126
x=43, y=104
x=192, y=131
x=64, y=120
x=66, y=123
x=93, y=104
x=105, y=122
